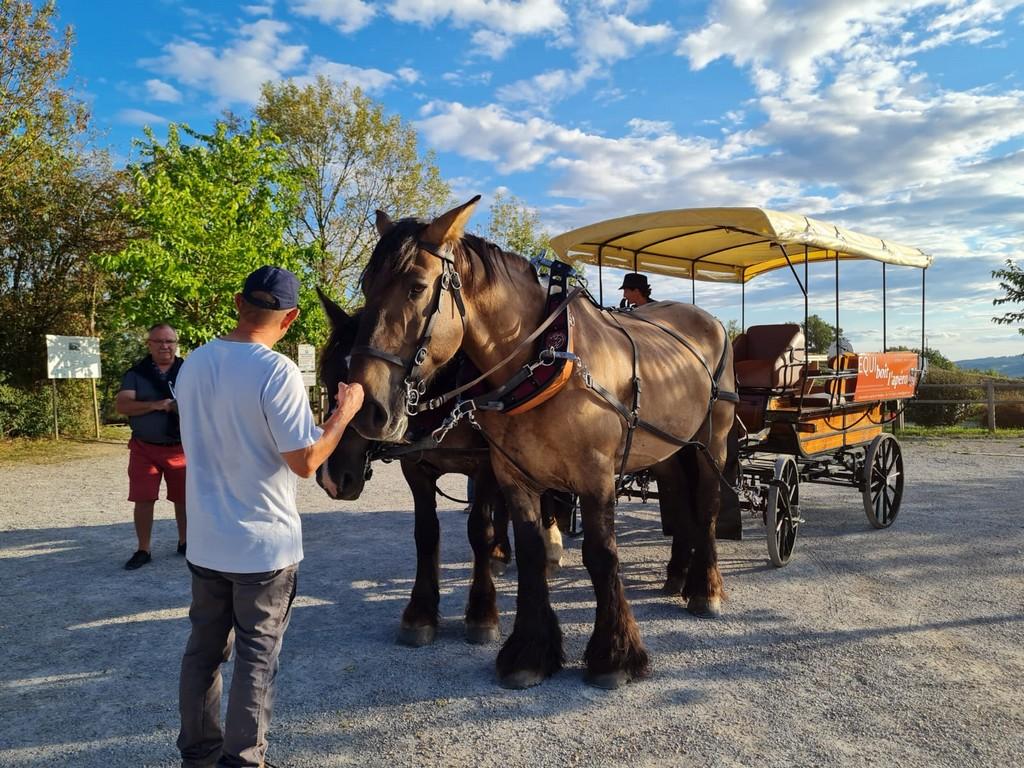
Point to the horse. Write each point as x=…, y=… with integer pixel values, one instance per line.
x=432, y=290
x=347, y=469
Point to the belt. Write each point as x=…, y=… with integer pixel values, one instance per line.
x=162, y=445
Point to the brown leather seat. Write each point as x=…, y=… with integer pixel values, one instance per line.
x=769, y=356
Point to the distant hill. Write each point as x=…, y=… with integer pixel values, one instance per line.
x=1012, y=365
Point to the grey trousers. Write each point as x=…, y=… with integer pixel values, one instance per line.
x=255, y=608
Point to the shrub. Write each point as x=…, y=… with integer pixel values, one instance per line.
x=955, y=385
x=1008, y=415
x=28, y=411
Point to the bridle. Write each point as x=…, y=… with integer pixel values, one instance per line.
x=449, y=281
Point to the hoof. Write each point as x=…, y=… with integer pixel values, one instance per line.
x=498, y=567
x=608, y=681
x=525, y=678
x=482, y=634
x=672, y=587
x=416, y=637
x=705, y=608
x=554, y=566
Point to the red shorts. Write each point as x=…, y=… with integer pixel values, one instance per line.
x=147, y=463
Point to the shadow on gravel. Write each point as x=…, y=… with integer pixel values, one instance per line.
x=91, y=651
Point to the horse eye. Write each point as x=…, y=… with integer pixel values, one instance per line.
x=416, y=290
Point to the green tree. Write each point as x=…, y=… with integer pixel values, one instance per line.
x=209, y=212
x=820, y=336
x=351, y=159
x=58, y=203
x=516, y=227
x=935, y=358
x=1011, y=281
x=733, y=329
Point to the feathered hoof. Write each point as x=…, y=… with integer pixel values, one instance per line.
x=416, y=637
x=672, y=587
x=498, y=567
x=608, y=681
x=705, y=608
x=482, y=634
x=520, y=679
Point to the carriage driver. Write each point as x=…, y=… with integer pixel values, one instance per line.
x=635, y=290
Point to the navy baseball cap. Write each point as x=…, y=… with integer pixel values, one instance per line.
x=280, y=284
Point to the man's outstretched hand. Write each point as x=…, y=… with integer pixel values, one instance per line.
x=349, y=400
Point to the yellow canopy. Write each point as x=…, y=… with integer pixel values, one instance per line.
x=730, y=245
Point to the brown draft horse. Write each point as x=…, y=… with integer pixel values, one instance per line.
x=465, y=452
x=573, y=441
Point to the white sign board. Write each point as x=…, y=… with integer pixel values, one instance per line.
x=307, y=364
x=72, y=357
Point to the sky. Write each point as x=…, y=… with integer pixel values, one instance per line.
x=902, y=119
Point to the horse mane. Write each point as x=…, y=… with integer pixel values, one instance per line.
x=396, y=252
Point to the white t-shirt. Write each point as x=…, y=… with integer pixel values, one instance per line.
x=241, y=406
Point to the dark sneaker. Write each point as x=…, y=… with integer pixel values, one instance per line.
x=181, y=548
x=138, y=560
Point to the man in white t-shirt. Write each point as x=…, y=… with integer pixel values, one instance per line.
x=248, y=431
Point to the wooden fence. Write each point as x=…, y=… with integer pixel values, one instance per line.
x=990, y=388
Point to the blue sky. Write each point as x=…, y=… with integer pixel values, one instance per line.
x=899, y=118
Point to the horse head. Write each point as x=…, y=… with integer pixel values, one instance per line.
x=346, y=470
x=414, y=318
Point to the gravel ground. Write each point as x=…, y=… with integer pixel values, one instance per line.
x=902, y=647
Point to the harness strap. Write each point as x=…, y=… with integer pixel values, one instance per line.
x=437, y=402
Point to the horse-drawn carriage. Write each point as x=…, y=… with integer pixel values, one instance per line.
x=800, y=417
x=567, y=395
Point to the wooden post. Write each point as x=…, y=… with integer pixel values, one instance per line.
x=990, y=391
x=96, y=408
x=901, y=420
x=56, y=429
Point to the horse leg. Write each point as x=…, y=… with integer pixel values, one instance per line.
x=534, y=649
x=676, y=478
x=552, y=534
x=482, y=608
x=703, y=590
x=420, y=617
x=615, y=653
x=500, y=546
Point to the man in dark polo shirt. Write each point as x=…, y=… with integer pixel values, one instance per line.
x=155, y=452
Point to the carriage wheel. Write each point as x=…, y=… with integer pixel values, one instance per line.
x=882, y=486
x=782, y=515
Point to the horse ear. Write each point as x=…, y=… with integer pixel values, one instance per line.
x=384, y=223
x=335, y=314
x=450, y=226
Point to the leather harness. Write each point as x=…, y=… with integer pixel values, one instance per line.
x=539, y=380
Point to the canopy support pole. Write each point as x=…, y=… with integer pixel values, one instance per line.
x=923, y=337
x=807, y=284
x=885, y=348
x=837, y=304
x=743, y=305
x=600, y=276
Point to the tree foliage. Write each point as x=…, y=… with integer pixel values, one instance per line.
x=1011, y=281
x=820, y=335
x=351, y=159
x=58, y=203
x=515, y=227
x=209, y=213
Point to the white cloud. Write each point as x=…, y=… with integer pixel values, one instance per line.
x=158, y=90
x=639, y=127
x=347, y=15
x=612, y=38
x=235, y=73
x=525, y=17
x=493, y=45
x=262, y=9
x=139, y=117
x=368, y=79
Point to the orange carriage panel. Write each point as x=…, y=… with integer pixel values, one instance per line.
x=886, y=376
